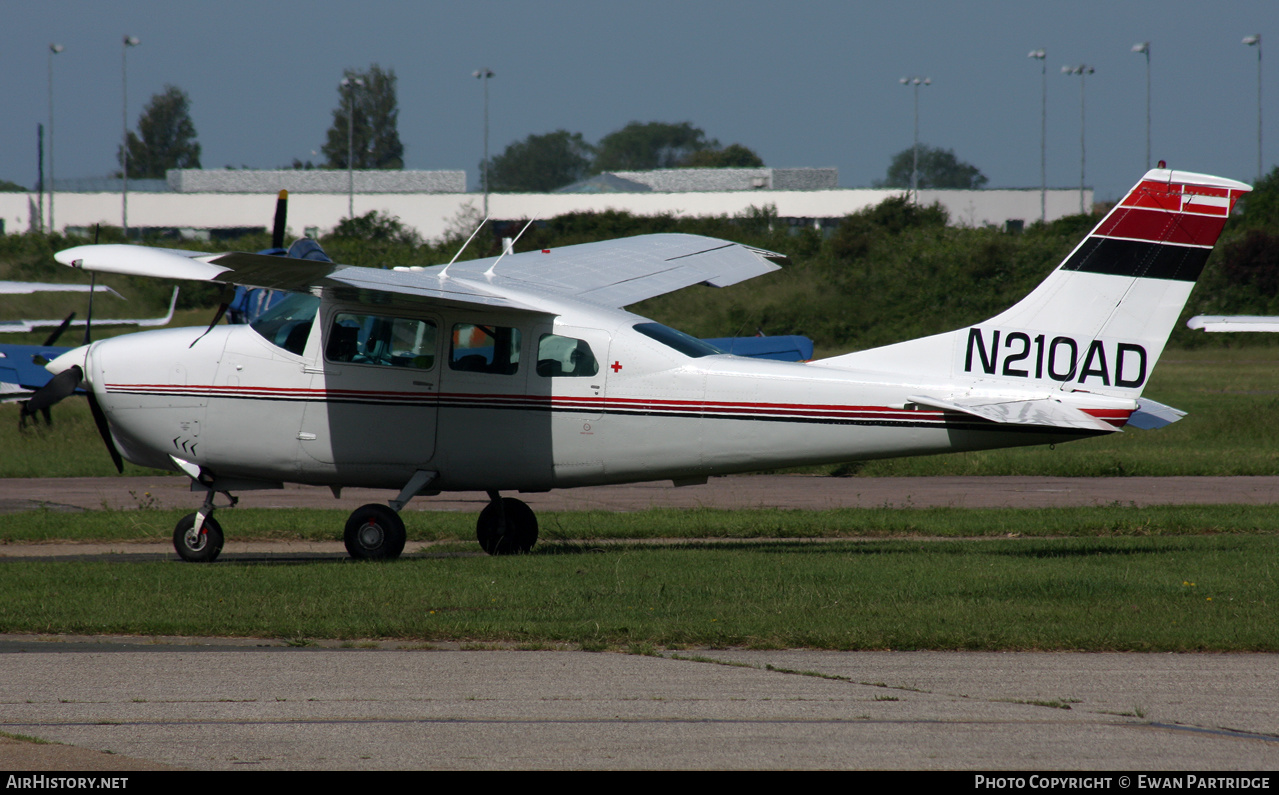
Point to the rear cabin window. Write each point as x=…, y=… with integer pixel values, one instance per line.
x=565, y=357
x=479, y=348
x=288, y=323
x=379, y=340
x=684, y=343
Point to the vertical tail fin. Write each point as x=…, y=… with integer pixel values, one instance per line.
x=1099, y=322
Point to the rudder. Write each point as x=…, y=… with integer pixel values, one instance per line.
x=1100, y=320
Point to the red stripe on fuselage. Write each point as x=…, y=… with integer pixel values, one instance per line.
x=674, y=408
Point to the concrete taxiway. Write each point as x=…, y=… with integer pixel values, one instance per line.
x=228, y=707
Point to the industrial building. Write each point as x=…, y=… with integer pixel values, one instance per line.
x=225, y=202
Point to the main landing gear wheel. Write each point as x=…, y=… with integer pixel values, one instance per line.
x=201, y=547
x=374, y=532
x=506, y=527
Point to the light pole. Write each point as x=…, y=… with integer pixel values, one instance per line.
x=1082, y=70
x=129, y=41
x=1143, y=47
x=1041, y=56
x=350, y=84
x=1255, y=41
x=916, y=82
x=54, y=49
x=483, y=76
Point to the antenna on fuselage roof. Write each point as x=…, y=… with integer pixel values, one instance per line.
x=511, y=247
x=444, y=272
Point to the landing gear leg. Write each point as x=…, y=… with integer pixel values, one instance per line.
x=506, y=526
x=198, y=537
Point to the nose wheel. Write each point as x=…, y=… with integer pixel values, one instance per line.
x=374, y=532
x=198, y=546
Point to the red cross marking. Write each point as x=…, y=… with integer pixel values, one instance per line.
x=617, y=366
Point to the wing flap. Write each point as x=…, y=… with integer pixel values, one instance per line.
x=1037, y=412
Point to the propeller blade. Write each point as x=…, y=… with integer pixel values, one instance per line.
x=60, y=386
x=281, y=213
x=100, y=419
x=53, y=338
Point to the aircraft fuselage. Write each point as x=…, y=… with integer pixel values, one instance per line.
x=243, y=407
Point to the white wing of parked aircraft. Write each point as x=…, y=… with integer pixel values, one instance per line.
x=24, y=288
x=1234, y=322
x=522, y=373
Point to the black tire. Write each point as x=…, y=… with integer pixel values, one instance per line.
x=509, y=529
x=203, y=548
x=374, y=532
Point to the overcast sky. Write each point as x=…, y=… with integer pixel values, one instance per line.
x=801, y=83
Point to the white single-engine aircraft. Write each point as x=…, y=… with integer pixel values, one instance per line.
x=523, y=372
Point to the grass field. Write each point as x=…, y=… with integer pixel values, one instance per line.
x=1142, y=579
x=1142, y=594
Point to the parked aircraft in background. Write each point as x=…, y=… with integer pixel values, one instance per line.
x=1234, y=322
x=524, y=373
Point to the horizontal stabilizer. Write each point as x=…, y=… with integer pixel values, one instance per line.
x=1150, y=415
x=1041, y=411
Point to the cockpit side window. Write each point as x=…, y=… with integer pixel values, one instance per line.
x=480, y=348
x=288, y=323
x=565, y=357
x=357, y=338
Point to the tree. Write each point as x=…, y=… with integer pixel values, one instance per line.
x=643, y=147
x=165, y=138
x=540, y=163
x=376, y=226
x=731, y=156
x=374, y=135
x=938, y=168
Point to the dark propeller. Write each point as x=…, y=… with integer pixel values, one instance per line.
x=59, y=387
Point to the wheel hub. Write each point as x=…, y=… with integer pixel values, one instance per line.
x=195, y=540
x=371, y=535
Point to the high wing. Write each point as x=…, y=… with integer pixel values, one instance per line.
x=612, y=273
x=617, y=273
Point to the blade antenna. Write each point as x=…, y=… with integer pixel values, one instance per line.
x=511, y=247
x=444, y=272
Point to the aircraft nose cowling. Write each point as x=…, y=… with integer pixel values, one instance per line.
x=75, y=356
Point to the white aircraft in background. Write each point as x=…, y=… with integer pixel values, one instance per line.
x=523, y=372
x=1234, y=322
